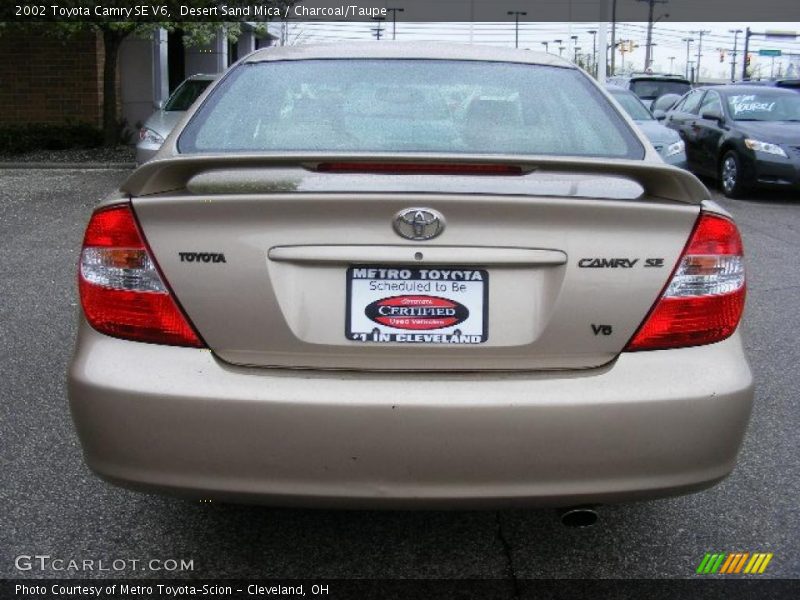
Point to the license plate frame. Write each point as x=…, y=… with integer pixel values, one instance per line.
x=413, y=304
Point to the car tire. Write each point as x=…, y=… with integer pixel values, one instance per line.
x=731, y=179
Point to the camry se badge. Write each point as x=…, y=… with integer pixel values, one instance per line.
x=418, y=223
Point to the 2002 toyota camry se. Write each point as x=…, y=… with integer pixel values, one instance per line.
x=396, y=275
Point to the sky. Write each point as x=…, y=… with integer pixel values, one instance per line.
x=667, y=37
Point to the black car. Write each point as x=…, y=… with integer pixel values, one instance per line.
x=789, y=84
x=743, y=135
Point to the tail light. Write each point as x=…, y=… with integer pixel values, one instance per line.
x=122, y=291
x=704, y=300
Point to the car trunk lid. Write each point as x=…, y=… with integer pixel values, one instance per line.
x=287, y=266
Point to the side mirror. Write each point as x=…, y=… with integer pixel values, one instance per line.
x=711, y=115
x=659, y=114
x=160, y=105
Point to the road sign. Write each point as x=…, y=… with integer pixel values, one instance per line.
x=769, y=52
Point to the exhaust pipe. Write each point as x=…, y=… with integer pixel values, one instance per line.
x=578, y=516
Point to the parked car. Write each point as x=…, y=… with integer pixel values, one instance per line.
x=789, y=84
x=330, y=289
x=650, y=86
x=158, y=126
x=666, y=141
x=742, y=135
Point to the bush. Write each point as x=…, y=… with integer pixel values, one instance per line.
x=18, y=139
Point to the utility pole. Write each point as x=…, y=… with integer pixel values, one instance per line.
x=517, y=14
x=701, y=33
x=744, y=55
x=378, y=31
x=671, y=62
x=394, y=12
x=593, y=33
x=546, y=46
x=688, y=49
x=648, y=52
x=735, y=33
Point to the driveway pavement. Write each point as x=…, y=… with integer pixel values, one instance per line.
x=53, y=505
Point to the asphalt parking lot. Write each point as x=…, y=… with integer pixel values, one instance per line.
x=52, y=504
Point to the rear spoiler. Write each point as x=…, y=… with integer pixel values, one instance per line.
x=297, y=172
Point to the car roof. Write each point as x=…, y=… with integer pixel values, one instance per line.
x=202, y=77
x=776, y=82
x=654, y=76
x=407, y=50
x=737, y=88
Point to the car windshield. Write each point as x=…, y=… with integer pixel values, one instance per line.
x=653, y=88
x=764, y=106
x=186, y=93
x=633, y=106
x=400, y=105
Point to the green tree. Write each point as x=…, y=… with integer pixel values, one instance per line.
x=113, y=33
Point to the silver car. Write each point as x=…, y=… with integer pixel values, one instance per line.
x=666, y=141
x=158, y=126
x=335, y=289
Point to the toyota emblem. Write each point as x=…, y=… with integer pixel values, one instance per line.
x=418, y=223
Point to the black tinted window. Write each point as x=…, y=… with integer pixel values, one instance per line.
x=186, y=94
x=653, y=88
x=692, y=102
x=711, y=103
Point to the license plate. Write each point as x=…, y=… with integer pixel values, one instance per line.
x=417, y=305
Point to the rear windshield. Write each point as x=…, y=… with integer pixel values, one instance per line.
x=764, y=106
x=186, y=94
x=408, y=106
x=653, y=88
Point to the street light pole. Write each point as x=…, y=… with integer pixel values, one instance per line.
x=735, y=33
x=671, y=62
x=593, y=32
x=517, y=14
x=688, y=49
x=546, y=46
x=394, y=12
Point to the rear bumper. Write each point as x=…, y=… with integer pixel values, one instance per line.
x=177, y=420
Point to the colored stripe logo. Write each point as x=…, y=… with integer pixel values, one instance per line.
x=733, y=563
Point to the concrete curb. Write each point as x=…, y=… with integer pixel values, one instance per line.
x=68, y=165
